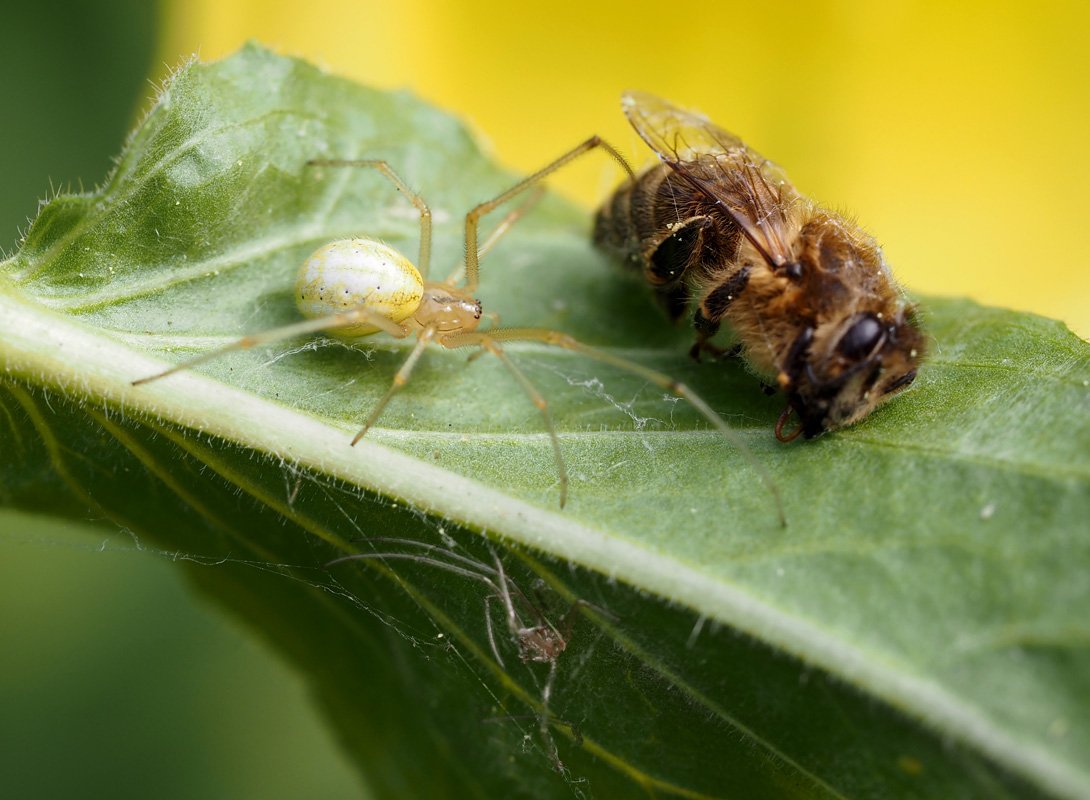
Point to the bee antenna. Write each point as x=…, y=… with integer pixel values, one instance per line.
x=761, y=249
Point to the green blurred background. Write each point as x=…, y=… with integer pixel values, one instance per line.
x=957, y=134
x=116, y=682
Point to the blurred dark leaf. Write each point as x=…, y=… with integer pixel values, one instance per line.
x=73, y=77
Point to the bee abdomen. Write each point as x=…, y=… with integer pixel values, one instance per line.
x=615, y=231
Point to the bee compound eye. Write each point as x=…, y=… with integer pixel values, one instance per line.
x=861, y=338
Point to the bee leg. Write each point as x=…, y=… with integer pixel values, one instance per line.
x=702, y=345
x=795, y=361
x=735, y=351
x=713, y=308
x=674, y=299
x=705, y=330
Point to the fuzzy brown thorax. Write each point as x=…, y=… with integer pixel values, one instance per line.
x=719, y=230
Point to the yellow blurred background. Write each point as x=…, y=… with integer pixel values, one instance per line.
x=956, y=133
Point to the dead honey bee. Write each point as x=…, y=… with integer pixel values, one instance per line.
x=815, y=307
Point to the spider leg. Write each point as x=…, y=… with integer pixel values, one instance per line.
x=487, y=343
x=544, y=718
x=498, y=233
x=660, y=379
x=435, y=562
x=567, y=622
x=355, y=316
x=423, y=262
x=482, y=570
x=490, y=630
x=514, y=624
x=399, y=381
x=473, y=218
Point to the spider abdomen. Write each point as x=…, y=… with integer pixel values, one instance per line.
x=353, y=273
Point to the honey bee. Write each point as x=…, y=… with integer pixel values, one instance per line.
x=816, y=310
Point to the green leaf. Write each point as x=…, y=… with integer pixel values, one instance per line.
x=919, y=628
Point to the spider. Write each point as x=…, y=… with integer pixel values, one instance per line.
x=358, y=287
x=541, y=641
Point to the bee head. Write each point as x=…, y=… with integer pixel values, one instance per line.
x=836, y=373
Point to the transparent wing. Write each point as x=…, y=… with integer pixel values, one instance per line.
x=753, y=190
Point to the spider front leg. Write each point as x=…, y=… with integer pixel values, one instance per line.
x=497, y=233
x=473, y=218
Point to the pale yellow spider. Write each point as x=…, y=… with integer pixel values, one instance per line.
x=358, y=287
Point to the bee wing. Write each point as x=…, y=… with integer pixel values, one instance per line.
x=752, y=189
